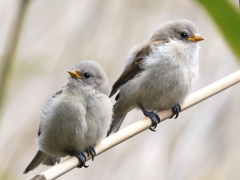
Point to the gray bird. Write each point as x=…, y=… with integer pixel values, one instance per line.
x=158, y=74
x=75, y=118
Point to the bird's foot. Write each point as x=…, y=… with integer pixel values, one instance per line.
x=80, y=155
x=82, y=158
x=176, y=110
x=152, y=115
x=91, y=151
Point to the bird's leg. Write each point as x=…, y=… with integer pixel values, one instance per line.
x=80, y=155
x=152, y=115
x=176, y=110
x=91, y=151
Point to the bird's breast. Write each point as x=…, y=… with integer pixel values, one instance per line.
x=167, y=78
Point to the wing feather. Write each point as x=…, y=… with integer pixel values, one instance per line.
x=135, y=67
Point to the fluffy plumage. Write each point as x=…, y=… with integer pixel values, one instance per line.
x=76, y=117
x=160, y=72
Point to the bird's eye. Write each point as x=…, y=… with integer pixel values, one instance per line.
x=183, y=35
x=87, y=75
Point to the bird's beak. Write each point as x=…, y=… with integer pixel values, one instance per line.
x=74, y=74
x=196, y=38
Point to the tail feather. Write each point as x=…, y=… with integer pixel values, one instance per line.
x=39, y=158
x=116, y=123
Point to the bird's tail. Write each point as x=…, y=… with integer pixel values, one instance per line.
x=116, y=123
x=39, y=158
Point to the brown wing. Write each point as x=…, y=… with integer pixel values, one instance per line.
x=134, y=68
x=130, y=71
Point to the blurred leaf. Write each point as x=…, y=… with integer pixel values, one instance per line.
x=11, y=45
x=227, y=19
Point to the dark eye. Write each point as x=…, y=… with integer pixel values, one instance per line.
x=183, y=35
x=87, y=75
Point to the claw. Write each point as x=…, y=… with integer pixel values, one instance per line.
x=176, y=110
x=80, y=155
x=153, y=128
x=152, y=115
x=82, y=158
x=91, y=151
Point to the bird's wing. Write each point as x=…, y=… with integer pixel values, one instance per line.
x=55, y=95
x=127, y=74
x=132, y=69
x=135, y=66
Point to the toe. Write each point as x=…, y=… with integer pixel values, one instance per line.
x=82, y=158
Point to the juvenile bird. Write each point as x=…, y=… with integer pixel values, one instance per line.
x=158, y=73
x=75, y=118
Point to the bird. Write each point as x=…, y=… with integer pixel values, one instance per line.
x=158, y=74
x=75, y=118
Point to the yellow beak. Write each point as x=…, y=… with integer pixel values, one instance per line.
x=74, y=74
x=196, y=38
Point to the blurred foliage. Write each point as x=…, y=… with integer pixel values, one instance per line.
x=227, y=19
x=11, y=45
x=5, y=175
